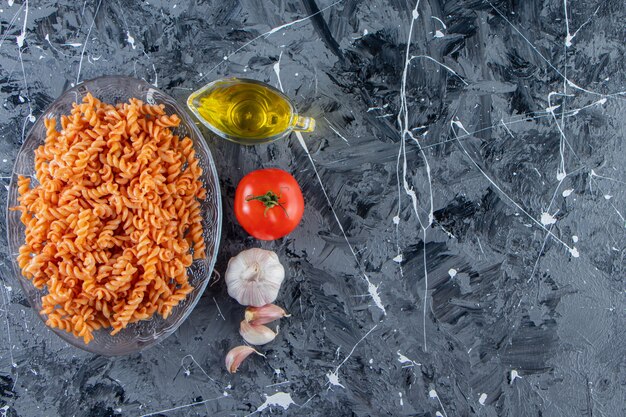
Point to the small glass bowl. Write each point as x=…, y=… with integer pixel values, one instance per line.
x=140, y=335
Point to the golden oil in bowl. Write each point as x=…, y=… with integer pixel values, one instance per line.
x=247, y=111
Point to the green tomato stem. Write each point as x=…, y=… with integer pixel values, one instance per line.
x=270, y=200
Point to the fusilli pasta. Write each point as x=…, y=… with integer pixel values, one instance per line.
x=114, y=221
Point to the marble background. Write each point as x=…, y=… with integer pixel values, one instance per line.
x=462, y=251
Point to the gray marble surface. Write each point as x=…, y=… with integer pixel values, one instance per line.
x=462, y=249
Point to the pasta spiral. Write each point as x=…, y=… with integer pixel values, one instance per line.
x=114, y=221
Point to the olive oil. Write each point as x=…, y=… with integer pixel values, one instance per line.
x=246, y=111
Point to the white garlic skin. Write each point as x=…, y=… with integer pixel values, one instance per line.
x=254, y=277
x=256, y=334
x=237, y=355
x=266, y=314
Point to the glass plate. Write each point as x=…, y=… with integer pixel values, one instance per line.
x=140, y=335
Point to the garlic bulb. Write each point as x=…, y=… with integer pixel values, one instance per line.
x=256, y=334
x=254, y=276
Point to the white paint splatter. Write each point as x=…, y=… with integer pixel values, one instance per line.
x=438, y=414
x=398, y=258
x=569, y=37
x=574, y=252
x=396, y=220
x=373, y=291
x=458, y=124
x=568, y=40
x=180, y=407
x=188, y=370
x=401, y=401
x=433, y=394
x=405, y=133
x=608, y=196
x=440, y=21
x=277, y=71
x=508, y=130
x=333, y=378
x=514, y=375
x=551, y=109
x=336, y=131
x=270, y=32
x=547, y=218
x=82, y=53
x=371, y=288
x=130, y=39
x=534, y=48
x=280, y=399
x=442, y=65
x=20, y=43
x=404, y=359
x=377, y=108
x=156, y=77
x=575, y=238
x=371, y=361
x=439, y=34
x=568, y=192
x=20, y=39
x=73, y=44
x=452, y=272
x=482, y=399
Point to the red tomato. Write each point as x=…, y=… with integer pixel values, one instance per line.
x=268, y=203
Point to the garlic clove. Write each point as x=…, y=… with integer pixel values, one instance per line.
x=254, y=277
x=266, y=314
x=256, y=334
x=237, y=355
